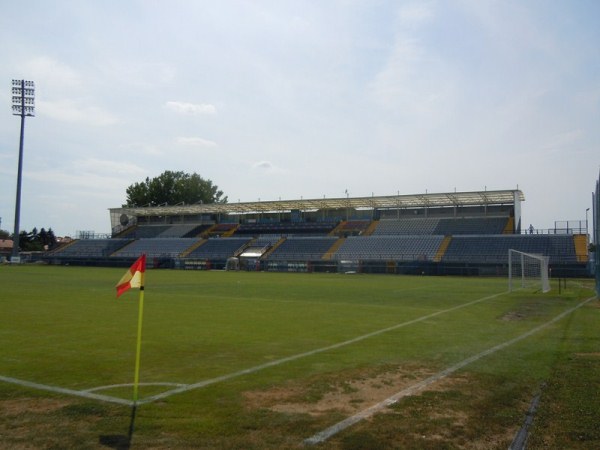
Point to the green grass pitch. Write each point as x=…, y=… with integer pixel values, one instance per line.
x=267, y=360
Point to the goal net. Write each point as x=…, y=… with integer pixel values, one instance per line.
x=527, y=270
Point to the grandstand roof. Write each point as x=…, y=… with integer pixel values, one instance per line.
x=426, y=200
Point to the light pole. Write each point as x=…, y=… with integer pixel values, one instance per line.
x=23, y=104
x=586, y=221
x=347, y=203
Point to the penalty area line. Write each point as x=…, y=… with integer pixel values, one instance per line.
x=372, y=410
x=60, y=390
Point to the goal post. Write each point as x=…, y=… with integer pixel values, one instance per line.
x=527, y=270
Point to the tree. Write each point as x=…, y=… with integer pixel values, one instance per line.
x=47, y=238
x=172, y=188
x=35, y=241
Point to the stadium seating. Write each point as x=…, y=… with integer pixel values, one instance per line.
x=352, y=227
x=179, y=231
x=445, y=243
x=294, y=248
x=406, y=226
x=94, y=248
x=156, y=247
x=286, y=228
x=441, y=226
x=266, y=239
x=471, y=225
x=219, y=248
x=494, y=249
x=401, y=248
x=147, y=231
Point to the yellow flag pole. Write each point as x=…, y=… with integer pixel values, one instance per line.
x=136, y=377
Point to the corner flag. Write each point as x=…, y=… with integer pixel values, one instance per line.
x=134, y=277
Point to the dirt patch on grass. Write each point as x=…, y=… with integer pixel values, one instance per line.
x=36, y=422
x=447, y=413
x=23, y=419
x=592, y=355
x=345, y=394
x=15, y=407
x=512, y=315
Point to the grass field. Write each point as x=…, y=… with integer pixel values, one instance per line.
x=237, y=360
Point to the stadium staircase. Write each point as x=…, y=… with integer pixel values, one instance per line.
x=206, y=233
x=581, y=249
x=334, y=248
x=193, y=247
x=61, y=247
x=125, y=232
x=510, y=226
x=442, y=249
x=129, y=244
x=231, y=231
x=337, y=231
x=272, y=249
x=371, y=228
x=243, y=248
x=256, y=248
x=220, y=229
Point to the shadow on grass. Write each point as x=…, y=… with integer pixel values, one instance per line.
x=120, y=441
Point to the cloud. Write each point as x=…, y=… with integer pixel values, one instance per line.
x=106, y=167
x=415, y=14
x=195, y=142
x=564, y=140
x=263, y=165
x=66, y=94
x=414, y=80
x=142, y=148
x=394, y=80
x=51, y=75
x=74, y=112
x=137, y=74
x=267, y=166
x=87, y=174
x=191, y=108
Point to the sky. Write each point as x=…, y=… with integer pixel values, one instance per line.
x=300, y=99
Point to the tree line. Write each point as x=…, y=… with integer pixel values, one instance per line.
x=34, y=240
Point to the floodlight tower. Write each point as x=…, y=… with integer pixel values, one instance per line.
x=23, y=104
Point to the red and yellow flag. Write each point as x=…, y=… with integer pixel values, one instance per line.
x=134, y=277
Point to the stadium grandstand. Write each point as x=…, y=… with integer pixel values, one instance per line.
x=462, y=233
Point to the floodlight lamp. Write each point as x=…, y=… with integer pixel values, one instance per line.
x=23, y=98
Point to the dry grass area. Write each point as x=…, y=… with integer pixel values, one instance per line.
x=440, y=416
x=28, y=423
x=320, y=396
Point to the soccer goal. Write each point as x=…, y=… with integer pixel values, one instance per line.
x=527, y=270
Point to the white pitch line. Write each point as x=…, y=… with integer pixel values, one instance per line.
x=60, y=390
x=366, y=413
x=113, y=386
x=254, y=369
